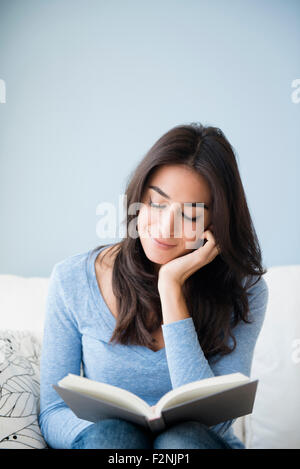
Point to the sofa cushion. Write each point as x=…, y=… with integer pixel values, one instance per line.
x=274, y=422
x=19, y=391
x=22, y=303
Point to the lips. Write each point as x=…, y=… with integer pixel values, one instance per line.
x=163, y=243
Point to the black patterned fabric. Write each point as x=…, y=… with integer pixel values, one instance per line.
x=19, y=391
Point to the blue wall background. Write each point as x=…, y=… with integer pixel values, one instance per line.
x=91, y=85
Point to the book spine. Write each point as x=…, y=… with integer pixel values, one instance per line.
x=156, y=425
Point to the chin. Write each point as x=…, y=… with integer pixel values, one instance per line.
x=155, y=254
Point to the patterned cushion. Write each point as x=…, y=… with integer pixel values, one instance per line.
x=19, y=391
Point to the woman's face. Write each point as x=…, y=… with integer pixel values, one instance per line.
x=164, y=216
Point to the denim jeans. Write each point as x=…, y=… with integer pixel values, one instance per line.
x=120, y=434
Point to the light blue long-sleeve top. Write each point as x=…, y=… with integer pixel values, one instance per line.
x=78, y=326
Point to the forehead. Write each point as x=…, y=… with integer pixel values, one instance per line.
x=181, y=183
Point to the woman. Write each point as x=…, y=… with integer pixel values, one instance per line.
x=149, y=318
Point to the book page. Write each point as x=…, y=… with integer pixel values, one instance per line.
x=107, y=392
x=200, y=388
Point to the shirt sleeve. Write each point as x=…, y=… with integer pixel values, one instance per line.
x=61, y=354
x=185, y=357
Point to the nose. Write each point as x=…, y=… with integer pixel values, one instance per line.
x=170, y=223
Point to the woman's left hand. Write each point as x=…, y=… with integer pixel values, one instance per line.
x=180, y=269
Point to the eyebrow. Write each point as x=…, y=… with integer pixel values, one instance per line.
x=192, y=204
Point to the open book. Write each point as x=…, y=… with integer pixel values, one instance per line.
x=210, y=401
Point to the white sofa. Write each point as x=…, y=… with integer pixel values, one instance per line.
x=274, y=422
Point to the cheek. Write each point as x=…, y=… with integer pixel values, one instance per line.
x=148, y=217
x=193, y=231
x=188, y=233
x=144, y=220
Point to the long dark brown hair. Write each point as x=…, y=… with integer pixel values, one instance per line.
x=216, y=294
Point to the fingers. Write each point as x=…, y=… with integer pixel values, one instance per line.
x=211, y=239
x=208, y=235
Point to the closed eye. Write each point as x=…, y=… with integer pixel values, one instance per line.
x=162, y=206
